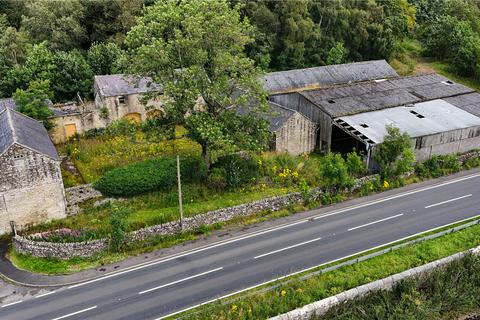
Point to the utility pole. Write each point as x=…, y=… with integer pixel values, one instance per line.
x=180, y=192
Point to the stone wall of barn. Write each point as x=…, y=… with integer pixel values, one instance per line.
x=296, y=136
x=31, y=188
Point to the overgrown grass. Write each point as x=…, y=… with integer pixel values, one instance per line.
x=299, y=293
x=159, y=207
x=95, y=156
x=445, y=293
x=445, y=70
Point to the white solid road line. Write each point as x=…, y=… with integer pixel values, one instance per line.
x=374, y=222
x=286, y=248
x=447, y=201
x=11, y=304
x=44, y=294
x=287, y=225
x=75, y=313
x=311, y=268
x=400, y=195
x=181, y=280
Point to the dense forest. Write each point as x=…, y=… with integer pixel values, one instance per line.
x=53, y=48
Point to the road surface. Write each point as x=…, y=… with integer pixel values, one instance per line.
x=169, y=286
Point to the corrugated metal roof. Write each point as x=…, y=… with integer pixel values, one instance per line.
x=421, y=119
x=376, y=95
x=119, y=84
x=276, y=115
x=18, y=128
x=301, y=79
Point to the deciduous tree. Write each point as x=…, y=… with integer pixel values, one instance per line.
x=196, y=49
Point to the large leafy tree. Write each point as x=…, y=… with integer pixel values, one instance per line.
x=196, y=49
x=58, y=22
x=73, y=75
x=33, y=100
x=102, y=57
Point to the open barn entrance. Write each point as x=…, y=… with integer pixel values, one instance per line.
x=343, y=143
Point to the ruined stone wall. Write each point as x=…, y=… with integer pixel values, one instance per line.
x=31, y=188
x=296, y=136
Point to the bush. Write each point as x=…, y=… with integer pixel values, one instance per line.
x=149, y=175
x=118, y=224
x=217, y=179
x=438, y=166
x=238, y=169
x=122, y=127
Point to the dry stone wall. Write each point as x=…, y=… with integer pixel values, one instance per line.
x=59, y=250
x=78, y=194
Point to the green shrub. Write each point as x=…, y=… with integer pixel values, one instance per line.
x=149, y=175
x=238, y=169
x=438, y=165
x=118, y=225
x=122, y=127
x=217, y=179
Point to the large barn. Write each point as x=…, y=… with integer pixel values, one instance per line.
x=440, y=115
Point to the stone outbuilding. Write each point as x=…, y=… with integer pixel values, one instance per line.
x=116, y=96
x=31, y=187
x=120, y=96
x=292, y=132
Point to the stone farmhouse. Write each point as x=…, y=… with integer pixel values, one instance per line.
x=31, y=186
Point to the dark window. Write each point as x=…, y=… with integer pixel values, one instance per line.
x=121, y=99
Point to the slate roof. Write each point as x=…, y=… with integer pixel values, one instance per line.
x=7, y=103
x=324, y=76
x=376, y=95
x=119, y=84
x=18, y=128
x=277, y=115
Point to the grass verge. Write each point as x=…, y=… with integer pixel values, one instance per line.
x=298, y=293
x=446, y=293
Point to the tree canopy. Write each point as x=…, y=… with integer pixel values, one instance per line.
x=179, y=45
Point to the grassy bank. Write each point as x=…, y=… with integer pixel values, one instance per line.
x=298, y=293
x=446, y=293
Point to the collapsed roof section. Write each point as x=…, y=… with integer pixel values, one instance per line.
x=377, y=95
x=324, y=76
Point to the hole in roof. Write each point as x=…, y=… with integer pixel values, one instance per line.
x=420, y=116
x=447, y=82
x=364, y=125
x=331, y=101
x=413, y=112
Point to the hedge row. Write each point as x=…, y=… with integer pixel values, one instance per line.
x=149, y=175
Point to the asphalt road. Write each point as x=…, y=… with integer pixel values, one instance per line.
x=169, y=286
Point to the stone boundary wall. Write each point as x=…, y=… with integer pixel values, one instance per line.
x=59, y=250
x=90, y=248
x=321, y=307
x=77, y=195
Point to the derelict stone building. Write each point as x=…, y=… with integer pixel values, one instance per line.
x=31, y=187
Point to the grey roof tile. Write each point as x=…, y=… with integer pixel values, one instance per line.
x=7, y=103
x=119, y=84
x=18, y=128
x=276, y=115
